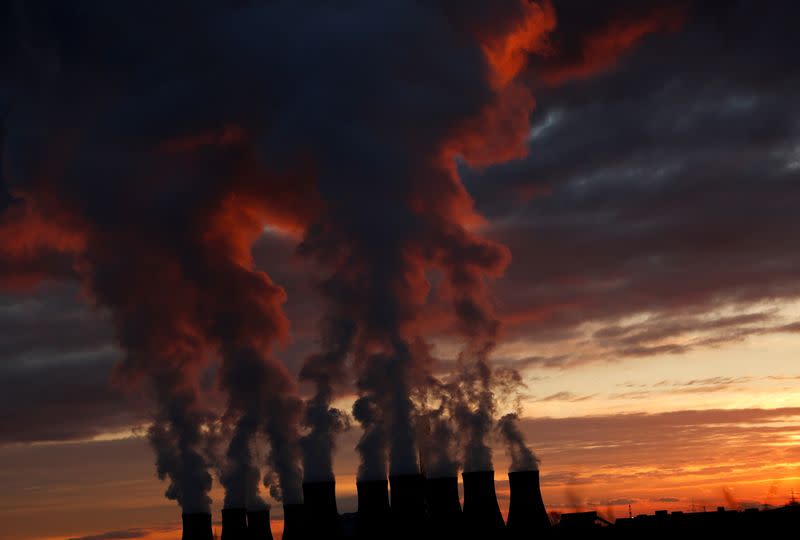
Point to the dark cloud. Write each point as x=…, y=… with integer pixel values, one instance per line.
x=65, y=402
x=620, y=502
x=56, y=370
x=50, y=321
x=116, y=535
x=555, y=361
x=666, y=186
x=591, y=36
x=565, y=396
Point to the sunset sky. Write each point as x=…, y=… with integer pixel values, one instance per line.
x=652, y=299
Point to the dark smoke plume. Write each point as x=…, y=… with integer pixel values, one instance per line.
x=146, y=159
x=166, y=153
x=178, y=444
x=436, y=430
x=240, y=474
x=474, y=416
x=372, y=444
x=522, y=457
x=324, y=421
x=393, y=206
x=282, y=425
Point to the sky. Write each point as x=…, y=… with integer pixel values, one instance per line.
x=623, y=177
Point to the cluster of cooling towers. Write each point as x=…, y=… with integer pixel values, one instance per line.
x=417, y=508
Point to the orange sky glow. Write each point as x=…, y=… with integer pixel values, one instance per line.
x=602, y=195
x=729, y=440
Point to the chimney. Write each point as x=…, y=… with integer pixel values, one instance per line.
x=373, y=509
x=408, y=503
x=320, y=507
x=258, y=525
x=234, y=524
x=444, y=508
x=527, y=517
x=482, y=515
x=197, y=526
x=294, y=522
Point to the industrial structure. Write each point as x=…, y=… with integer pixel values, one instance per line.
x=418, y=508
x=405, y=506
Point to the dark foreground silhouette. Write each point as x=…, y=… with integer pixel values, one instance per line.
x=417, y=508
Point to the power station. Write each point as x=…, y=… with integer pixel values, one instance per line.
x=405, y=506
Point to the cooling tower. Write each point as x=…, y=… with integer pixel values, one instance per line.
x=527, y=517
x=322, y=516
x=197, y=526
x=408, y=504
x=373, y=509
x=258, y=525
x=482, y=517
x=234, y=524
x=294, y=522
x=444, y=508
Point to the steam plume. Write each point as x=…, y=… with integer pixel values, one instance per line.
x=372, y=444
x=436, y=430
x=393, y=204
x=240, y=474
x=177, y=442
x=168, y=185
x=324, y=421
x=522, y=457
x=166, y=194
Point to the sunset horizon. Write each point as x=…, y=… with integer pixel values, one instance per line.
x=251, y=248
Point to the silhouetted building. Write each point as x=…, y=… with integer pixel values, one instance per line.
x=444, y=508
x=721, y=523
x=527, y=516
x=234, y=524
x=423, y=509
x=349, y=522
x=294, y=522
x=408, y=504
x=258, y=525
x=322, y=515
x=197, y=526
x=373, y=509
x=482, y=515
x=581, y=521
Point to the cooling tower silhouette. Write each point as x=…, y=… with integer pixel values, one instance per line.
x=322, y=516
x=234, y=524
x=482, y=517
x=258, y=525
x=408, y=504
x=373, y=509
x=527, y=517
x=444, y=509
x=197, y=526
x=294, y=522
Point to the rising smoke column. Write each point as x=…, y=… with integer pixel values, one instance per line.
x=522, y=457
x=325, y=369
x=467, y=260
x=248, y=320
x=409, y=88
x=142, y=150
x=476, y=406
x=137, y=144
x=436, y=429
